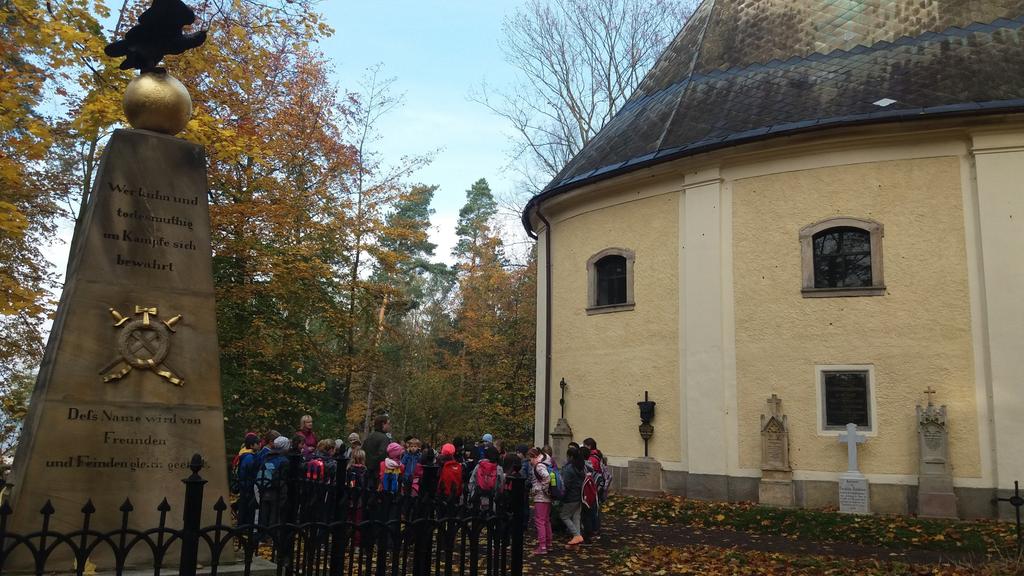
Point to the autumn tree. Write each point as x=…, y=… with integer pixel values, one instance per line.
x=403, y=263
x=578, y=62
x=492, y=322
x=47, y=51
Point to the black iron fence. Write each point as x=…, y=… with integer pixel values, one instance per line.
x=302, y=526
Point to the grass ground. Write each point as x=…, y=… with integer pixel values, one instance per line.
x=677, y=536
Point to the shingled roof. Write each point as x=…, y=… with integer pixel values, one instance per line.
x=744, y=70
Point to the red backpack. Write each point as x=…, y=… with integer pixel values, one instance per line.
x=486, y=476
x=450, y=483
x=589, y=496
x=315, y=469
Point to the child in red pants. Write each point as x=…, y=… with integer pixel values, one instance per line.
x=539, y=493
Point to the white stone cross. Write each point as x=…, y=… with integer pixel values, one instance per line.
x=851, y=437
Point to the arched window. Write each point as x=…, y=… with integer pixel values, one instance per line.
x=842, y=257
x=610, y=281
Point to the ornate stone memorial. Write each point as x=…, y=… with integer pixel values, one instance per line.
x=776, y=485
x=854, y=497
x=935, y=496
x=644, y=475
x=129, y=386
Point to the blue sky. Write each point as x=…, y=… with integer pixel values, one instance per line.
x=437, y=51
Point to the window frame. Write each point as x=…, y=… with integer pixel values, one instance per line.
x=819, y=387
x=629, y=304
x=875, y=234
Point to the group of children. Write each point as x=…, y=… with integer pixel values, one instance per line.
x=478, y=470
x=578, y=487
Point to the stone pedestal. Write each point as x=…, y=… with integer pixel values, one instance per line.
x=776, y=485
x=560, y=438
x=644, y=477
x=853, y=494
x=776, y=489
x=935, y=495
x=129, y=386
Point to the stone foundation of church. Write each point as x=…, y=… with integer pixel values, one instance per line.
x=885, y=498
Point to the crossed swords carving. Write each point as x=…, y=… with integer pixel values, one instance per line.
x=143, y=344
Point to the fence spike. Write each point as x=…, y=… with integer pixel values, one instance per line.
x=127, y=506
x=220, y=506
x=163, y=506
x=89, y=508
x=47, y=508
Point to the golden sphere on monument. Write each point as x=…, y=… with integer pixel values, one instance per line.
x=157, y=101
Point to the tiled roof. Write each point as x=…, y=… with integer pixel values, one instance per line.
x=742, y=70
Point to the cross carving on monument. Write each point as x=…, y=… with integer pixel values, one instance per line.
x=929, y=391
x=851, y=437
x=775, y=406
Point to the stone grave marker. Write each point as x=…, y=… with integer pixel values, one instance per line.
x=854, y=497
x=935, y=495
x=776, y=485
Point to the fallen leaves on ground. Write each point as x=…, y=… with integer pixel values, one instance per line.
x=976, y=536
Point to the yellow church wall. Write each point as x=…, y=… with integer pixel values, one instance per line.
x=609, y=359
x=917, y=334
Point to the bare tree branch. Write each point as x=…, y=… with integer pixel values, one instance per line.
x=578, y=61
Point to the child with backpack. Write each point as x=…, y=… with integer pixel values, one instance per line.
x=488, y=478
x=573, y=474
x=271, y=482
x=589, y=496
x=426, y=459
x=391, y=470
x=410, y=459
x=244, y=469
x=603, y=478
x=540, y=486
x=355, y=479
x=450, y=483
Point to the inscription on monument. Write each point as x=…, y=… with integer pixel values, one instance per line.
x=118, y=429
x=853, y=496
x=165, y=224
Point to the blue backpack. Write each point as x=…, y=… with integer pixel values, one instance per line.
x=390, y=480
x=270, y=474
x=556, y=486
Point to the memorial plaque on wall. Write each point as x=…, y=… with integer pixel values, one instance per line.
x=129, y=387
x=846, y=399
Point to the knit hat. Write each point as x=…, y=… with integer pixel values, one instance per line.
x=448, y=450
x=353, y=438
x=281, y=445
x=488, y=438
x=252, y=438
x=395, y=450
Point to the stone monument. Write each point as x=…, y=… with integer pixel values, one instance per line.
x=129, y=386
x=853, y=486
x=935, y=496
x=776, y=485
x=644, y=474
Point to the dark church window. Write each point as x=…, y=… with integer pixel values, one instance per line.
x=846, y=398
x=842, y=257
x=610, y=281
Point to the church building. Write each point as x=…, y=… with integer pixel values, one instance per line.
x=810, y=213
